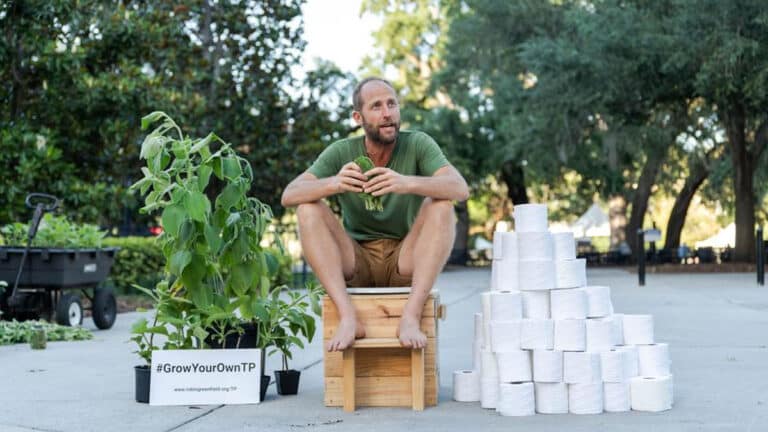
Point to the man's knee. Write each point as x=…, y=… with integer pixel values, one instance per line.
x=310, y=212
x=440, y=212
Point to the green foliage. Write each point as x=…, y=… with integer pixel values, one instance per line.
x=13, y=332
x=139, y=261
x=54, y=232
x=372, y=203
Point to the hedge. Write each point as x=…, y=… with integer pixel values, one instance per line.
x=140, y=261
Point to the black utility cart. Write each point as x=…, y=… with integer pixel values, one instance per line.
x=44, y=282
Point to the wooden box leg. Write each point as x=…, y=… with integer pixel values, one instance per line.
x=417, y=379
x=349, y=379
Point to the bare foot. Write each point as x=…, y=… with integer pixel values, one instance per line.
x=410, y=334
x=347, y=331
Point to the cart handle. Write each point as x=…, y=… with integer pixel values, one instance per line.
x=49, y=202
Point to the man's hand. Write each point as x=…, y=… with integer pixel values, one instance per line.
x=350, y=179
x=385, y=181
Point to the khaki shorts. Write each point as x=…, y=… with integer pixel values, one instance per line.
x=376, y=264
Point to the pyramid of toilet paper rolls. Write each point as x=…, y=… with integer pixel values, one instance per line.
x=547, y=342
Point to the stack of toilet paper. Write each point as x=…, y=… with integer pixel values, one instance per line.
x=546, y=341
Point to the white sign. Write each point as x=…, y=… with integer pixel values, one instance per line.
x=205, y=377
x=652, y=235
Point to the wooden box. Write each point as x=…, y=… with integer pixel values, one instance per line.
x=383, y=375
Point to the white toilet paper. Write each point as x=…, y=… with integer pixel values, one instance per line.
x=568, y=303
x=537, y=275
x=516, y=399
x=654, y=360
x=485, y=307
x=535, y=246
x=581, y=367
x=506, y=305
x=632, y=365
x=498, y=240
x=489, y=371
x=614, y=365
x=477, y=355
x=530, y=217
x=489, y=393
x=599, y=334
x=537, y=334
x=585, y=398
x=638, y=329
x=514, y=366
x=598, y=301
x=551, y=398
x=466, y=386
x=616, y=396
x=506, y=274
x=571, y=273
x=536, y=304
x=509, y=246
x=564, y=246
x=505, y=335
x=618, y=328
x=547, y=366
x=651, y=393
x=570, y=335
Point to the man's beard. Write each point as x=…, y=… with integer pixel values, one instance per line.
x=373, y=134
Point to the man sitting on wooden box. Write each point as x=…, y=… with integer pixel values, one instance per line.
x=404, y=241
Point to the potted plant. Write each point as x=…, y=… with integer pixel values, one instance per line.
x=286, y=319
x=216, y=265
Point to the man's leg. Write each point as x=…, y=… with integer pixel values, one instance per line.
x=330, y=252
x=423, y=254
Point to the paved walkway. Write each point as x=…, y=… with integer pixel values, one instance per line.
x=717, y=325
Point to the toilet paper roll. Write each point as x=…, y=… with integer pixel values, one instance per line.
x=618, y=329
x=537, y=334
x=654, y=359
x=514, y=366
x=498, y=240
x=613, y=364
x=485, y=307
x=477, y=340
x=564, y=246
x=489, y=393
x=551, y=398
x=638, y=329
x=598, y=301
x=506, y=305
x=616, y=396
x=530, y=217
x=568, y=303
x=495, y=275
x=466, y=386
x=585, y=398
x=536, y=275
x=536, y=304
x=505, y=335
x=489, y=371
x=508, y=275
x=477, y=356
x=571, y=273
x=535, y=246
x=570, y=335
x=581, y=367
x=599, y=334
x=510, y=246
x=547, y=366
x=651, y=393
x=632, y=365
x=516, y=399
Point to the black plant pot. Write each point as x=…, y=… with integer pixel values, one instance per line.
x=264, y=384
x=287, y=381
x=143, y=375
x=249, y=338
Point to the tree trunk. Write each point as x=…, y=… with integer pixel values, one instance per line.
x=617, y=217
x=513, y=176
x=699, y=173
x=642, y=194
x=743, y=174
x=460, y=252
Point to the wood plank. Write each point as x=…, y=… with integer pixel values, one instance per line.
x=381, y=391
x=417, y=379
x=366, y=343
x=385, y=327
x=349, y=380
x=381, y=361
x=375, y=307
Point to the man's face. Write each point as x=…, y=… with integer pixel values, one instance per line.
x=380, y=114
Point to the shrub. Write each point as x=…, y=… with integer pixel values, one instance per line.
x=140, y=261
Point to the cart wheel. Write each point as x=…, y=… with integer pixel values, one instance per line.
x=69, y=311
x=104, y=308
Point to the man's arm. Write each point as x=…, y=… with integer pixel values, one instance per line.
x=445, y=183
x=308, y=188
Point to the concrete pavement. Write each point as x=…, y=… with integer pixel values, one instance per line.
x=716, y=324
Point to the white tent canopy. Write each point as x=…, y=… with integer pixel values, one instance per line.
x=593, y=223
x=724, y=238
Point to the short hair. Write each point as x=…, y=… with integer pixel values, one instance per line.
x=357, y=100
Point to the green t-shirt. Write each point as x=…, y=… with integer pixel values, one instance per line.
x=415, y=154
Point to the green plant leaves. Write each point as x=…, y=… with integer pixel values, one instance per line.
x=198, y=205
x=173, y=217
x=179, y=261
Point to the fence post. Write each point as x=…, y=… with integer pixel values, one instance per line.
x=641, y=257
x=760, y=257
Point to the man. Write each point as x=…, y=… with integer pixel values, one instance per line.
x=407, y=243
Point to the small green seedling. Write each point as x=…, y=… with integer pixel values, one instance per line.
x=372, y=203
